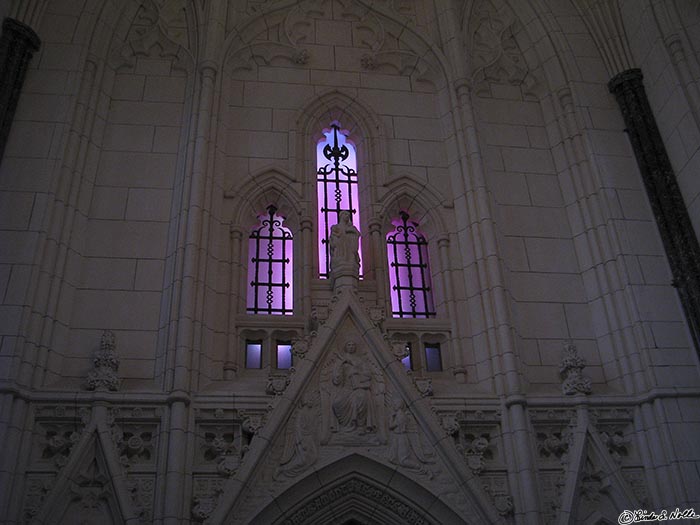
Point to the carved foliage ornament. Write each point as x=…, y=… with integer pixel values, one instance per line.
x=497, y=57
x=103, y=376
x=571, y=370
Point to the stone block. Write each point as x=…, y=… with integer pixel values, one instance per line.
x=528, y=160
x=149, y=274
x=15, y=210
x=542, y=320
x=146, y=204
x=274, y=95
x=269, y=145
x=165, y=89
x=544, y=190
x=126, y=239
x=108, y=274
x=120, y=310
x=528, y=221
x=108, y=203
x=29, y=139
x=153, y=66
x=145, y=113
x=166, y=139
x=505, y=135
x=136, y=170
x=119, y=137
x=256, y=119
x=288, y=75
x=551, y=255
x=128, y=87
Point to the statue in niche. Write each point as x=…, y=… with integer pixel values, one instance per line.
x=352, y=395
x=343, y=242
x=405, y=448
x=301, y=450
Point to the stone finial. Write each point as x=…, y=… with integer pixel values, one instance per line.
x=103, y=375
x=571, y=370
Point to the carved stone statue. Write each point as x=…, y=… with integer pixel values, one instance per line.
x=405, y=448
x=353, y=406
x=301, y=450
x=343, y=242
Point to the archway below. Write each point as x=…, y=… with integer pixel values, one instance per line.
x=357, y=490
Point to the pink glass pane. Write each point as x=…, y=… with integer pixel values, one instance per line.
x=253, y=354
x=284, y=356
x=339, y=191
x=270, y=268
x=409, y=273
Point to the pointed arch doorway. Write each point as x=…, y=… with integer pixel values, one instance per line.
x=357, y=490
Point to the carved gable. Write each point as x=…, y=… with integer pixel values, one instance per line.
x=350, y=396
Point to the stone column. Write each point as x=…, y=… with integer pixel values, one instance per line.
x=679, y=238
x=17, y=45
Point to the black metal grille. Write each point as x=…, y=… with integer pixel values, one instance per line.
x=410, y=278
x=271, y=246
x=334, y=181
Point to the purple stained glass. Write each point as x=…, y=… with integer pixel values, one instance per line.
x=406, y=361
x=336, y=186
x=253, y=354
x=270, y=267
x=409, y=271
x=433, y=359
x=284, y=356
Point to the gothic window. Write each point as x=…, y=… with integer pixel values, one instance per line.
x=253, y=354
x=409, y=273
x=270, y=266
x=284, y=355
x=433, y=357
x=336, y=184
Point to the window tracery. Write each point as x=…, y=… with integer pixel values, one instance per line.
x=270, y=267
x=337, y=189
x=409, y=272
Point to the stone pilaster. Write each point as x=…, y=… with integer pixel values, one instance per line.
x=679, y=238
x=18, y=43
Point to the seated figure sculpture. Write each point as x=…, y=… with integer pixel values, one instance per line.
x=353, y=406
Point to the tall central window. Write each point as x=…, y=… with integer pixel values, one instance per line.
x=336, y=177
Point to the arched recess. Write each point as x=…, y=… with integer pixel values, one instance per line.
x=357, y=487
x=426, y=206
x=364, y=130
x=266, y=187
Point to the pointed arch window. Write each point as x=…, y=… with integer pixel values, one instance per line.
x=337, y=189
x=409, y=271
x=270, y=266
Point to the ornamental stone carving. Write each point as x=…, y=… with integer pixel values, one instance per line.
x=405, y=448
x=352, y=395
x=301, y=450
x=104, y=376
x=571, y=370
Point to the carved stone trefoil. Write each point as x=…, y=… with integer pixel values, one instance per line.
x=571, y=370
x=103, y=375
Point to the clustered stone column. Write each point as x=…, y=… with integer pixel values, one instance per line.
x=679, y=239
x=17, y=45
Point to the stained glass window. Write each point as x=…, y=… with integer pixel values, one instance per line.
x=270, y=266
x=336, y=179
x=409, y=273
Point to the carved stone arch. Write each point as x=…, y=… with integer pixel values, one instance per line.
x=422, y=201
x=500, y=48
x=556, y=74
x=265, y=187
x=142, y=30
x=365, y=132
x=416, y=55
x=360, y=488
